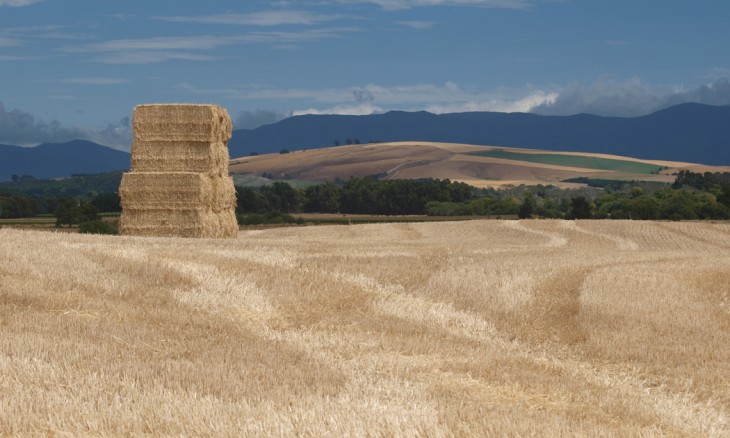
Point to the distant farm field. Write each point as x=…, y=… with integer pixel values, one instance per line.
x=477, y=328
x=479, y=166
x=582, y=161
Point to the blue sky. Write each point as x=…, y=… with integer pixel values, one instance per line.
x=77, y=68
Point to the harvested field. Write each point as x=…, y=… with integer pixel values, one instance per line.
x=458, y=162
x=478, y=328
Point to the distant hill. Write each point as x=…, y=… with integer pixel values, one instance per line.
x=479, y=166
x=55, y=160
x=689, y=132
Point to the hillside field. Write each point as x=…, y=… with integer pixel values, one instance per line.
x=478, y=328
x=479, y=166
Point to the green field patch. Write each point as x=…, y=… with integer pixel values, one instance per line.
x=574, y=161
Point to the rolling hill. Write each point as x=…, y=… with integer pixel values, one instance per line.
x=479, y=166
x=689, y=132
x=55, y=160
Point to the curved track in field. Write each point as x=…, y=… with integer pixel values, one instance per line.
x=553, y=328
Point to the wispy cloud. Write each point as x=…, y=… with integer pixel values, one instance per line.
x=25, y=129
x=18, y=3
x=263, y=18
x=159, y=49
x=62, y=97
x=254, y=119
x=94, y=81
x=10, y=42
x=150, y=57
x=360, y=109
x=47, y=31
x=716, y=73
x=9, y=58
x=437, y=98
x=409, y=4
x=203, y=42
x=22, y=128
x=416, y=24
x=628, y=98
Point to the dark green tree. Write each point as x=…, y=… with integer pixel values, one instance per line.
x=250, y=201
x=68, y=212
x=281, y=197
x=526, y=208
x=107, y=202
x=642, y=208
x=580, y=208
x=322, y=198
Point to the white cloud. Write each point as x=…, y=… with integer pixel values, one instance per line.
x=61, y=97
x=150, y=57
x=716, y=93
x=203, y=42
x=160, y=49
x=362, y=109
x=22, y=128
x=497, y=104
x=94, y=81
x=10, y=42
x=254, y=119
x=263, y=18
x=118, y=134
x=415, y=24
x=629, y=98
x=716, y=73
x=409, y=4
x=11, y=58
x=18, y=3
x=372, y=98
x=606, y=97
x=25, y=129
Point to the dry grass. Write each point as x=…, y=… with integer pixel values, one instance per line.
x=480, y=328
x=414, y=160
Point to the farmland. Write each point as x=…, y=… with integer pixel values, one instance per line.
x=479, y=166
x=552, y=328
x=581, y=161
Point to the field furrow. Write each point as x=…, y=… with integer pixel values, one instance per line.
x=478, y=328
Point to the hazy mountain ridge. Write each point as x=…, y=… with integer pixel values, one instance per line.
x=689, y=132
x=55, y=160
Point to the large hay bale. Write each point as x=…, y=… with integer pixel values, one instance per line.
x=179, y=183
x=156, y=190
x=166, y=156
x=181, y=122
x=178, y=222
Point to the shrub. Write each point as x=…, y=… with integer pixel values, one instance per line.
x=268, y=219
x=98, y=227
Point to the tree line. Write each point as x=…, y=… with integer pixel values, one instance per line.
x=356, y=196
x=691, y=196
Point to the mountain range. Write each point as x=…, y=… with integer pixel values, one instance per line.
x=690, y=132
x=56, y=160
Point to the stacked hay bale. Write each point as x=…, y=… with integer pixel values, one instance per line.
x=179, y=184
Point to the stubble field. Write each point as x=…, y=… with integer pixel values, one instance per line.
x=479, y=328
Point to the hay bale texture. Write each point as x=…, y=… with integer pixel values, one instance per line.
x=179, y=185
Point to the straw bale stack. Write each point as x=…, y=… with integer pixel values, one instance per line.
x=179, y=184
